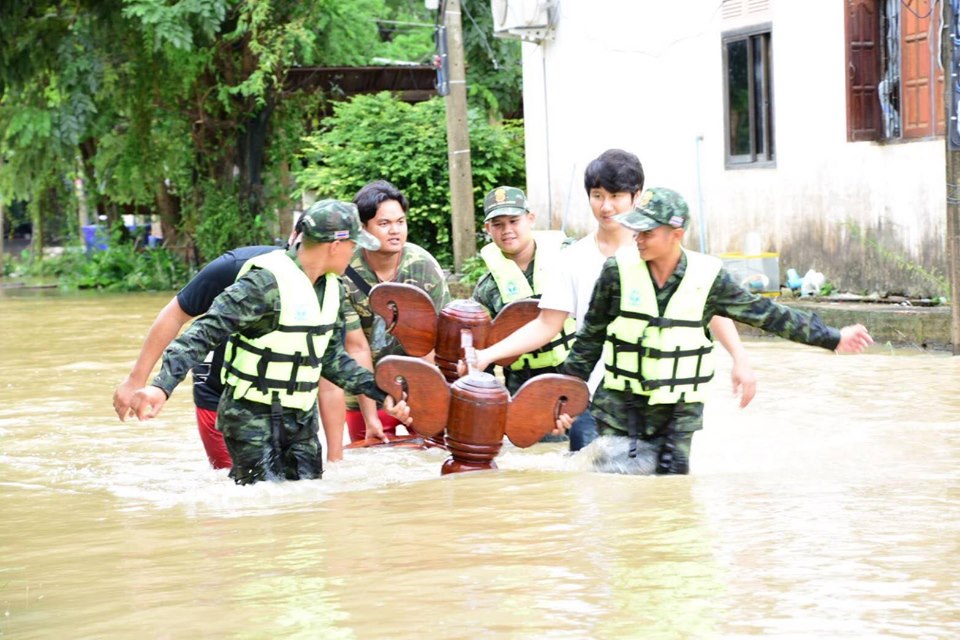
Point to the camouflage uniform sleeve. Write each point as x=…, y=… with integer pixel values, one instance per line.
x=342, y=370
x=603, y=309
x=421, y=269
x=440, y=294
x=351, y=320
x=729, y=299
x=488, y=295
x=249, y=306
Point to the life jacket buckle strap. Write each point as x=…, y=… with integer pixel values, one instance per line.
x=632, y=417
x=294, y=370
x=262, y=371
x=276, y=435
x=312, y=351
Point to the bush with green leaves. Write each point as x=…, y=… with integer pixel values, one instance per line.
x=378, y=136
x=125, y=266
x=222, y=221
x=472, y=270
x=121, y=266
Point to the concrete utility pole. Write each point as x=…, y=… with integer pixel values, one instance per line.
x=458, y=141
x=952, y=141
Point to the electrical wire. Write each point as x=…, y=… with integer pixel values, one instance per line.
x=906, y=5
x=401, y=23
x=953, y=193
x=665, y=48
x=483, y=38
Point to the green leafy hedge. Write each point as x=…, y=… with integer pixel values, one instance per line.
x=373, y=137
x=121, y=266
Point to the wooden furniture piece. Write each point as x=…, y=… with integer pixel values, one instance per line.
x=471, y=413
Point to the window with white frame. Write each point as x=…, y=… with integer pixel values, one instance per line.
x=748, y=97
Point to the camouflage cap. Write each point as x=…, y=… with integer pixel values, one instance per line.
x=504, y=201
x=330, y=220
x=657, y=207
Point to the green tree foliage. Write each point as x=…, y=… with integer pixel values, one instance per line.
x=493, y=65
x=179, y=108
x=373, y=137
x=52, y=73
x=494, y=69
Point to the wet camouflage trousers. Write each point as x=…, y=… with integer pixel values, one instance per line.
x=669, y=428
x=265, y=449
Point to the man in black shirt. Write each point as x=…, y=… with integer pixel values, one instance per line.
x=192, y=301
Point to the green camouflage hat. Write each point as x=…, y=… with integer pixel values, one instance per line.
x=504, y=201
x=657, y=207
x=329, y=220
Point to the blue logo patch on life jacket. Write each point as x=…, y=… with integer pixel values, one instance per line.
x=512, y=288
x=300, y=313
x=634, y=297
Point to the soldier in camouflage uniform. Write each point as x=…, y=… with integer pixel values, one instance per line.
x=613, y=181
x=648, y=318
x=281, y=342
x=518, y=252
x=383, y=213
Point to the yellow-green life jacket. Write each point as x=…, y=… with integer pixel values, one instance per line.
x=285, y=363
x=667, y=358
x=513, y=286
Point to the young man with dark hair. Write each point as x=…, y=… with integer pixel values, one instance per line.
x=383, y=211
x=646, y=326
x=612, y=182
x=371, y=195
x=282, y=317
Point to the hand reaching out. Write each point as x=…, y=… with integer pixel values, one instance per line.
x=147, y=402
x=854, y=339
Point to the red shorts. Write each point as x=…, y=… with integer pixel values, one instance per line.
x=212, y=439
x=358, y=428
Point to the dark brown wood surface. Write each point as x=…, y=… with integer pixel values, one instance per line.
x=427, y=393
x=511, y=317
x=454, y=318
x=534, y=409
x=409, y=314
x=478, y=412
x=413, y=442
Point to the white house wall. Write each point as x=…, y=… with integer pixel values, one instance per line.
x=647, y=77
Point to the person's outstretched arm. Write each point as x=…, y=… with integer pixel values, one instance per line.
x=729, y=299
x=527, y=338
x=164, y=329
x=742, y=376
x=249, y=304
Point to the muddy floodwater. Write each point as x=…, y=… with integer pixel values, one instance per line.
x=828, y=508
